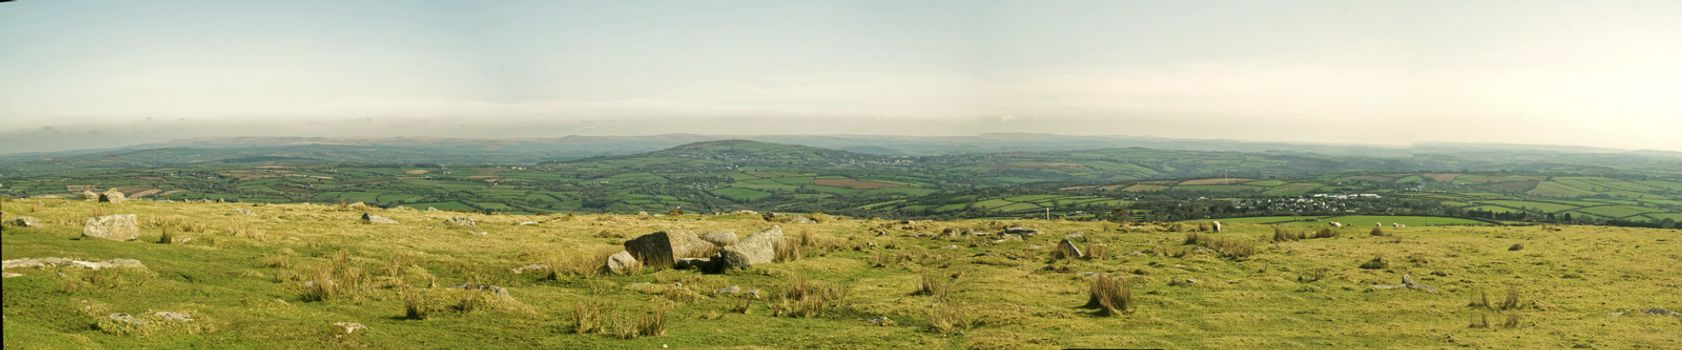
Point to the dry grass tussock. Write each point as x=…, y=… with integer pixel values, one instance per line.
x=593, y=317
x=1227, y=248
x=1111, y=296
x=805, y=298
x=582, y=262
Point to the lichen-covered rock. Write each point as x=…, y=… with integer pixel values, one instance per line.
x=120, y=227
x=113, y=197
x=349, y=328
x=461, y=222
x=622, y=263
x=723, y=238
x=24, y=221
x=758, y=248
x=1067, y=250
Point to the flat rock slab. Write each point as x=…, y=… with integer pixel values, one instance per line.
x=664, y=248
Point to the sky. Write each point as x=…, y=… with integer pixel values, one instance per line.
x=85, y=73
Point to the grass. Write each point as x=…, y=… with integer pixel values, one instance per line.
x=243, y=289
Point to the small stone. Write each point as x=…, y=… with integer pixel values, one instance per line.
x=173, y=316
x=350, y=327
x=731, y=290
x=377, y=220
x=498, y=290
x=461, y=222
x=24, y=221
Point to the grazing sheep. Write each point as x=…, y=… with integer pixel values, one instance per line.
x=1336, y=224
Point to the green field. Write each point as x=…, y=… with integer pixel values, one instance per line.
x=1356, y=221
x=243, y=280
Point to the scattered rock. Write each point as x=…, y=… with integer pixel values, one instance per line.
x=89, y=195
x=1375, y=264
x=664, y=248
x=1067, y=250
x=802, y=220
x=24, y=221
x=527, y=223
x=377, y=220
x=173, y=316
x=1407, y=282
x=350, y=327
x=758, y=248
x=731, y=290
x=1179, y=282
x=1021, y=231
x=1077, y=236
x=1516, y=247
x=126, y=318
x=883, y=321
x=120, y=227
x=1008, y=238
x=498, y=290
x=461, y=222
x=529, y=268
x=622, y=263
x=723, y=238
x=243, y=211
x=703, y=264
x=113, y=197
x=358, y=206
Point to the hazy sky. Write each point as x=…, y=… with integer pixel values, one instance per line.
x=85, y=73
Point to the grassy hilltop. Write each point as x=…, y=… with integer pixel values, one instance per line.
x=281, y=276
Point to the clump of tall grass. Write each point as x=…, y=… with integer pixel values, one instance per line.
x=1227, y=248
x=1480, y=321
x=652, y=324
x=1280, y=234
x=949, y=318
x=580, y=262
x=787, y=251
x=1479, y=298
x=1511, y=301
x=416, y=305
x=933, y=284
x=340, y=277
x=1377, y=231
x=1097, y=251
x=587, y=317
x=1110, y=296
x=804, y=298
